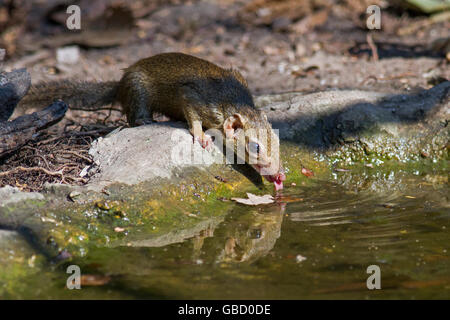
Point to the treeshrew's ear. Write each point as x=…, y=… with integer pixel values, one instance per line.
x=233, y=123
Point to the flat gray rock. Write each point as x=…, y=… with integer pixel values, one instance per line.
x=6, y=235
x=138, y=154
x=9, y=195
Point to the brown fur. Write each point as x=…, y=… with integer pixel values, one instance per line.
x=82, y=95
x=176, y=85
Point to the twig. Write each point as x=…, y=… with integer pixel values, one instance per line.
x=50, y=173
x=32, y=59
x=78, y=155
x=77, y=134
x=20, y=168
x=372, y=46
x=95, y=109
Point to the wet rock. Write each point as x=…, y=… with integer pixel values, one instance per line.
x=9, y=195
x=173, y=236
x=6, y=235
x=359, y=125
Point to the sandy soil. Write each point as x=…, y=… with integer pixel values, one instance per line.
x=273, y=58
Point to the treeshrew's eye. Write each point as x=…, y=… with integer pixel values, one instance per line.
x=253, y=147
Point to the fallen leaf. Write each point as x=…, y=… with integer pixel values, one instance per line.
x=94, y=280
x=254, y=200
x=306, y=172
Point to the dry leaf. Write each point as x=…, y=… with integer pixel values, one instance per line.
x=307, y=172
x=94, y=280
x=254, y=200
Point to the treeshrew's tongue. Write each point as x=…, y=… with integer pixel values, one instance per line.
x=277, y=180
x=278, y=185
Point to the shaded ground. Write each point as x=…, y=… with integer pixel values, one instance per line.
x=278, y=46
x=53, y=158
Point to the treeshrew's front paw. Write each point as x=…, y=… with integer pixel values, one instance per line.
x=205, y=141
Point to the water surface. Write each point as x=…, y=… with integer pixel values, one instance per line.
x=316, y=241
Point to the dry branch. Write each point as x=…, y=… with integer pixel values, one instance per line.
x=14, y=134
x=13, y=86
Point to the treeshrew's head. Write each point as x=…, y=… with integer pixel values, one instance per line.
x=257, y=143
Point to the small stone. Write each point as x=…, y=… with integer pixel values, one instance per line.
x=31, y=261
x=299, y=258
x=263, y=12
x=68, y=55
x=84, y=172
x=300, y=50
x=281, y=24
x=73, y=195
x=316, y=46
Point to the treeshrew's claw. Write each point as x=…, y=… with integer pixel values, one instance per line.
x=205, y=141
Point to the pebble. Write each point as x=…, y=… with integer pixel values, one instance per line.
x=68, y=55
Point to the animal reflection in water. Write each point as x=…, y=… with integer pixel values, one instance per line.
x=245, y=238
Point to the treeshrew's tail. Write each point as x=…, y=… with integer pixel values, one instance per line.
x=81, y=95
